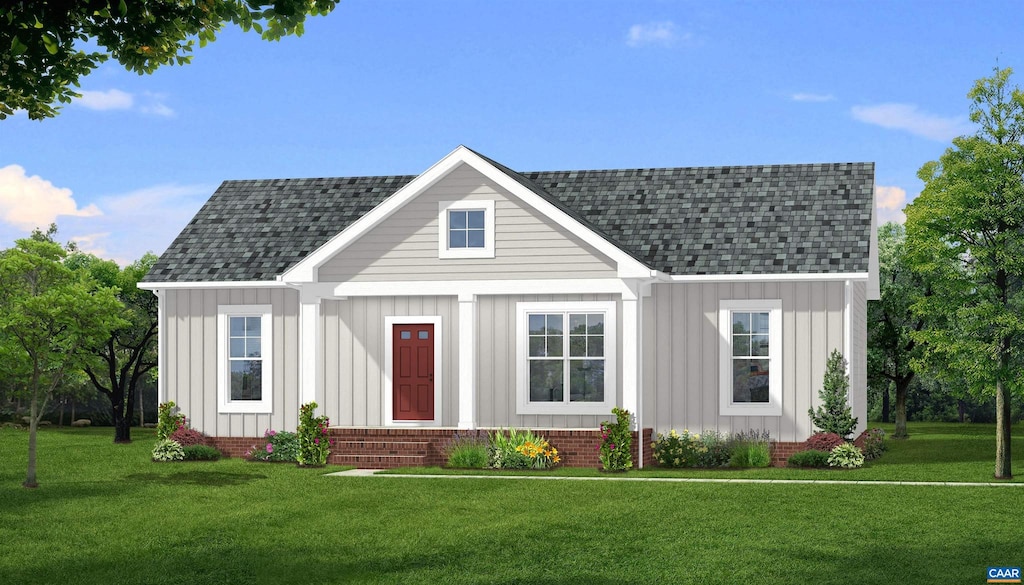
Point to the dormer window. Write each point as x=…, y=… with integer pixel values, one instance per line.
x=466, y=229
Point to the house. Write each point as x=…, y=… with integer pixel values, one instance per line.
x=473, y=296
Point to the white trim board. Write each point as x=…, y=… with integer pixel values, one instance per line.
x=389, y=364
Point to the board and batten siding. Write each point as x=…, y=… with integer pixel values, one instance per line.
x=681, y=354
x=190, y=355
x=405, y=245
x=353, y=361
x=859, y=353
x=497, y=369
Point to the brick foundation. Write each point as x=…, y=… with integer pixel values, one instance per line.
x=384, y=448
x=782, y=450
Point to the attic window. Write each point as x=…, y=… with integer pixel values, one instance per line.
x=465, y=229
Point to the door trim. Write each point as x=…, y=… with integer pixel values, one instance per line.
x=389, y=360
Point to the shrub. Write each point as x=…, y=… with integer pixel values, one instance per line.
x=516, y=449
x=314, y=445
x=187, y=437
x=616, y=440
x=717, y=449
x=810, y=458
x=280, y=446
x=200, y=453
x=847, y=456
x=467, y=450
x=823, y=442
x=833, y=415
x=873, y=443
x=675, y=450
x=167, y=450
x=169, y=419
x=751, y=449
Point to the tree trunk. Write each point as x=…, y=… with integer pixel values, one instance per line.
x=72, y=409
x=122, y=424
x=1003, y=470
x=33, y=426
x=901, y=408
x=961, y=409
x=142, y=413
x=60, y=420
x=885, y=403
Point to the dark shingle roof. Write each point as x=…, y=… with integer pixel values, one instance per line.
x=776, y=219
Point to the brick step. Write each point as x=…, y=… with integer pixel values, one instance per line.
x=378, y=461
x=357, y=447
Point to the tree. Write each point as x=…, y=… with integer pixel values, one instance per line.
x=41, y=42
x=48, y=315
x=121, y=362
x=965, y=233
x=891, y=322
x=833, y=414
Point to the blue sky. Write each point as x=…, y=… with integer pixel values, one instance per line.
x=388, y=87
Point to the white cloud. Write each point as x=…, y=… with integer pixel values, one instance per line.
x=115, y=99
x=911, y=119
x=812, y=97
x=890, y=202
x=143, y=220
x=112, y=99
x=655, y=33
x=32, y=202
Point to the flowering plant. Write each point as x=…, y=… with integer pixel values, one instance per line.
x=280, y=446
x=616, y=440
x=314, y=445
x=873, y=443
x=679, y=450
x=169, y=419
x=517, y=449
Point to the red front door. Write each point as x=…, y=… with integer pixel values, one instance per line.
x=413, y=375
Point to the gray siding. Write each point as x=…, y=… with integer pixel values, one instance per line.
x=353, y=361
x=405, y=245
x=858, y=353
x=190, y=358
x=682, y=353
x=496, y=364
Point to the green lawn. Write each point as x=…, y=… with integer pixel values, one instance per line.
x=105, y=514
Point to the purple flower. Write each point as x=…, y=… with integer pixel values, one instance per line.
x=316, y=441
x=270, y=448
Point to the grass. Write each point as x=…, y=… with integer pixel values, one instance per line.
x=934, y=452
x=105, y=514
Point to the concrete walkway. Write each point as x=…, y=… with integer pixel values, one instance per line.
x=373, y=473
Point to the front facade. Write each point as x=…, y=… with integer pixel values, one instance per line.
x=472, y=296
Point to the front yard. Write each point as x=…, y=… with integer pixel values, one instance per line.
x=106, y=514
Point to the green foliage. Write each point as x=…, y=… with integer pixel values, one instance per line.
x=751, y=449
x=965, y=234
x=44, y=43
x=314, y=445
x=167, y=450
x=467, y=451
x=873, y=443
x=520, y=449
x=280, y=446
x=847, y=456
x=50, y=316
x=678, y=450
x=169, y=419
x=833, y=415
x=200, y=453
x=809, y=458
x=616, y=441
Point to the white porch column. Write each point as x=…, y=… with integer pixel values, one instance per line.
x=467, y=361
x=310, y=350
x=632, y=362
x=161, y=347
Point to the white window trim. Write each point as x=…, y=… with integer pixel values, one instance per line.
x=389, y=368
x=224, y=403
x=774, y=405
x=523, y=404
x=443, y=207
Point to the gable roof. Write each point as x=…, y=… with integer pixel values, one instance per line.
x=776, y=219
